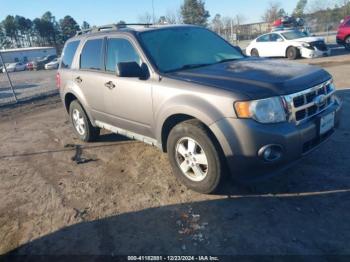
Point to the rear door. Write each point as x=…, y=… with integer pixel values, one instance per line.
x=90, y=76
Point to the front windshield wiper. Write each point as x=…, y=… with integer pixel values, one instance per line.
x=227, y=60
x=188, y=66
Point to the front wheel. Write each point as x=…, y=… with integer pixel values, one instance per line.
x=347, y=43
x=292, y=53
x=195, y=156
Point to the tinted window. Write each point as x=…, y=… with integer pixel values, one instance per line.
x=274, y=37
x=294, y=35
x=183, y=47
x=91, y=56
x=348, y=23
x=120, y=50
x=68, y=54
x=264, y=38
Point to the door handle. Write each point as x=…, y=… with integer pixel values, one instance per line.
x=110, y=85
x=78, y=80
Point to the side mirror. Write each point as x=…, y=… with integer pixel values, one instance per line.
x=279, y=40
x=129, y=69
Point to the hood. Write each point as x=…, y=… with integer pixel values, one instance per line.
x=255, y=77
x=309, y=39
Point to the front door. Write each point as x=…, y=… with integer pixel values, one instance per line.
x=128, y=101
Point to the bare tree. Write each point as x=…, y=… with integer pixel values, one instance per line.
x=145, y=18
x=272, y=12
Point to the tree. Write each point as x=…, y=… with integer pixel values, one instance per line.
x=272, y=12
x=69, y=27
x=217, y=24
x=146, y=18
x=10, y=28
x=85, y=25
x=193, y=12
x=300, y=8
x=4, y=43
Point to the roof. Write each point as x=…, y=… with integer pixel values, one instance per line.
x=26, y=49
x=128, y=28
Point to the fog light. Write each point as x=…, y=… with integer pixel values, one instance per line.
x=270, y=153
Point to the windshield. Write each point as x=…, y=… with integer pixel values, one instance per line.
x=186, y=47
x=294, y=35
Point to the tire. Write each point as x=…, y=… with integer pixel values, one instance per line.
x=347, y=43
x=207, y=177
x=82, y=126
x=254, y=52
x=292, y=53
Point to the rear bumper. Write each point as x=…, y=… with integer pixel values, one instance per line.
x=242, y=139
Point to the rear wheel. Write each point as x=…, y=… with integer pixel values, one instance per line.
x=195, y=156
x=81, y=123
x=347, y=43
x=254, y=52
x=292, y=53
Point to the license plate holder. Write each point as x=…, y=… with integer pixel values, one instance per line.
x=327, y=122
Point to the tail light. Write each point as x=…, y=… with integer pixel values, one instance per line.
x=58, y=80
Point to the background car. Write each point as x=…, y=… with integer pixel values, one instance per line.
x=343, y=35
x=53, y=64
x=288, y=43
x=40, y=64
x=12, y=67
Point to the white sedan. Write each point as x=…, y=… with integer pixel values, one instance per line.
x=12, y=67
x=289, y=43
x=52, y=65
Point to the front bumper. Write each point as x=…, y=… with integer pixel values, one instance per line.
x=241, y=140
x=308, y=53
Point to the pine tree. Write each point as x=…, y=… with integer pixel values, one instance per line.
x=193, y=12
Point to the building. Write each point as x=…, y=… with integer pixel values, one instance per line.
x=26, y=54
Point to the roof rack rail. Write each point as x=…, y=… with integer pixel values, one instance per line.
x=108, y=27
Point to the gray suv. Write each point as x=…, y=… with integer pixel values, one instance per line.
x=190, y=93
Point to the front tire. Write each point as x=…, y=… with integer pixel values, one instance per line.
x=347, y=43
x=292, y=53
x=82, y=126
x=195, y=156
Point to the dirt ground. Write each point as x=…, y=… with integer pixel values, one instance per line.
x=123, y=198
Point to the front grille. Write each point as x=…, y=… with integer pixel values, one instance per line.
x=308, y=103
x=320, y=45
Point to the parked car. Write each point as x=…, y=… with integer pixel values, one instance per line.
x=12, y=67
x=40, y=63
x=208, y=106
x=288, y=43
x=52, y=65
x=343, y=35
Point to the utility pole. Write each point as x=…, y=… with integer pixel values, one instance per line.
x=8, y=77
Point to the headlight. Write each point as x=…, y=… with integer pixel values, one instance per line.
x=307, y=45
x=269, y=110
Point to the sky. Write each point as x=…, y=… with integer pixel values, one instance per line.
x=111, y=11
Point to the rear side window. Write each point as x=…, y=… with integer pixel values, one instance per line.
x=68, y=54
x=348, y=23
x=120, y=50
x=92, y=55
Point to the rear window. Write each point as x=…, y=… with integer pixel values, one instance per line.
x=68, y=54
x=92, y=55
x=264, y=38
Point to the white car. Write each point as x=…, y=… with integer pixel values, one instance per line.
x=52, y=65
x=12, y=67
x=288, y=43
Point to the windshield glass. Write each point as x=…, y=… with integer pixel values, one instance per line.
x=186, y=47
x=294, y=35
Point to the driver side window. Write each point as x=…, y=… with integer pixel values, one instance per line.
x=120, y=50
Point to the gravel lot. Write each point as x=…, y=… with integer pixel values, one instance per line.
x=125, y=200
x=27, y=84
